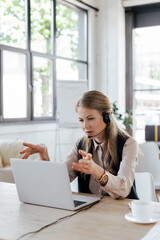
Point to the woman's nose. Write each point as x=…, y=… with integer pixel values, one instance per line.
x=85, y=125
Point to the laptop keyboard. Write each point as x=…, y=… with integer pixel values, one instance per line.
x=78, y=203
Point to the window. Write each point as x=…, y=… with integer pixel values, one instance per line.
x=71, y=44
x=41, y=42
x=143, y=81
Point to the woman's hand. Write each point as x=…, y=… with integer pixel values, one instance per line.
x=41, y=149
x=87, y=165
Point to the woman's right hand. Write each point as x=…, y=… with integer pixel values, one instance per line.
x=31, y=149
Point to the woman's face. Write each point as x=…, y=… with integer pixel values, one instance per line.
x=92, y=123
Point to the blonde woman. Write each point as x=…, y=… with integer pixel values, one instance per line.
x=104, y=159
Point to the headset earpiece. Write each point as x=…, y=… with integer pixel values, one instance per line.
x=106, y=118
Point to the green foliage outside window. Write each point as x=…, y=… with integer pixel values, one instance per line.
x=125, y=118
x=14, y=34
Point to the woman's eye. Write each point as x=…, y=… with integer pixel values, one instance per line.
x=80, y=120
x=90, y=118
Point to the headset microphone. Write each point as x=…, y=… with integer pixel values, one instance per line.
x=97, y=134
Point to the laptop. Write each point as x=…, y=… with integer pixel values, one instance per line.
x=47, y=183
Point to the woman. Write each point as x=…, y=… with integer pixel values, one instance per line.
x=104, y=159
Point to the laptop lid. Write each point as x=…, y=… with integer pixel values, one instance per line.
x=46, y=183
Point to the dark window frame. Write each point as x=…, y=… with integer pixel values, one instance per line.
x=140, y=16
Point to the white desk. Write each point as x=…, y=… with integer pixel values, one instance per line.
x=103, y=221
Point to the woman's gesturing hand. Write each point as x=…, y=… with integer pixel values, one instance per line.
x=87, y=165
x=31, y=149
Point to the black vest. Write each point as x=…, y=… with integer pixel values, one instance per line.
x=83, y=180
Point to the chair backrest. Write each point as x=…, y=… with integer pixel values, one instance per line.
x=145, y=186
x=10, y=148
x=148, y=161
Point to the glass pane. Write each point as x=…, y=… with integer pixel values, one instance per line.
x=147, y=58
x=41, y=26
x=71, y=33
x=14, y=85
x=146, y=79
x=43, y=87
x=147, y=110
x=12, y=23
x=71, y=70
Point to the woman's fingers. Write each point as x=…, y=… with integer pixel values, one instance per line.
x=31, y=149
x=89, y=155
x=28, y=145
x=26, y=155
x=45, y=158
x=25, y=151
x=85, y=155
x=82, y=166
x=79, y=167
x=85, y=161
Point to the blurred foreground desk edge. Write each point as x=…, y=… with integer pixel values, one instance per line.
x=105, y=220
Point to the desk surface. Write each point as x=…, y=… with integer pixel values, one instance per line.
x=105, y=220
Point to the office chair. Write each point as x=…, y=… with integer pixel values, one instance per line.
x=148, y=161
x=145, y=186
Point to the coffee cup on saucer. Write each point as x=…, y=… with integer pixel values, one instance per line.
x=142, y=209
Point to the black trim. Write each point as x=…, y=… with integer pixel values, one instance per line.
x=129, y=63
x=146, y=90
x=72, y=59
x=145, y=15
x=136, y=17
x=1, y=85
x=86, y=4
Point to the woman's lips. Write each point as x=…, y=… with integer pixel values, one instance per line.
x=89, y=133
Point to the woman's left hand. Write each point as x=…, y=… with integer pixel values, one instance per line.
x=87, y=165
x=31, y=149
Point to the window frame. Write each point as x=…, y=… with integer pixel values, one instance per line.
x=135, y=17
x=29, y=65
x=72, y=6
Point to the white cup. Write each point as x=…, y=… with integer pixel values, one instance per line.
x=142, y=209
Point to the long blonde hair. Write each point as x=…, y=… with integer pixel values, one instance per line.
x=98, y=101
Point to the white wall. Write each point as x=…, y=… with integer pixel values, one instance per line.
x=111, y=50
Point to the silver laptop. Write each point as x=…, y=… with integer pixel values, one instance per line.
x=47, y=184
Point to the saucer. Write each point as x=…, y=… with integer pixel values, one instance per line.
x=153, y=219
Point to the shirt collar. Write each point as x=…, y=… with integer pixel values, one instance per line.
x=102, y=145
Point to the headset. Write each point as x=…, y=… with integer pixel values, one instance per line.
x=106, y=118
